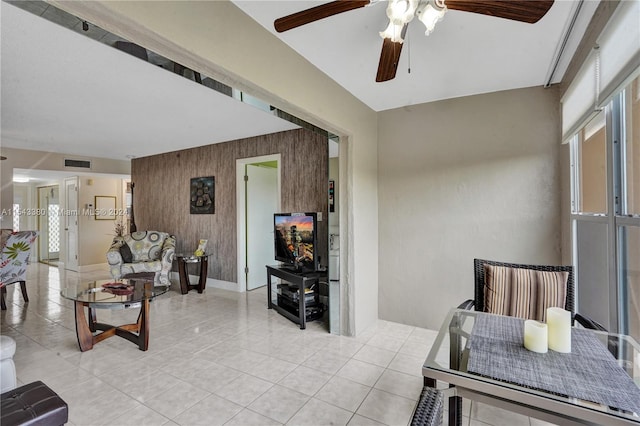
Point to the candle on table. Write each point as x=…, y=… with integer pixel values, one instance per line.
x=559, y=323
x=535, y=336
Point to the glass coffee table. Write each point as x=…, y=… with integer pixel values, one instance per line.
x=112, y=294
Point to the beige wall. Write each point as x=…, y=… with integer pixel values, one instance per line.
x=219, y=40
x=95, y=236
x=463, y=178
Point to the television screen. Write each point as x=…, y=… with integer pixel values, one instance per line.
x=295, y=239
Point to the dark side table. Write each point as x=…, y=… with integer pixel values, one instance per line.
x=183, y=272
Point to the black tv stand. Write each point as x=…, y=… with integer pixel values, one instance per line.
x=300, y=281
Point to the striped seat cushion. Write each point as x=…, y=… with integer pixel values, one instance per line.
x=523, y=293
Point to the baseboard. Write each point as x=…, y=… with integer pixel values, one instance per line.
x=224, y=285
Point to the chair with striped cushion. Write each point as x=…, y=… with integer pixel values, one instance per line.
x=430, y=408
x=524, y=291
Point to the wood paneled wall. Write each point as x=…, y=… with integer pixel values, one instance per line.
x=161, y=194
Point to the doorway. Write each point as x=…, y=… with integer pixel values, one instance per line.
x=258, y=198
x=49, y=224
x=71, y=223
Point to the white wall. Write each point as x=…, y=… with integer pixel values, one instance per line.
x=219, y=40
x=463, y=178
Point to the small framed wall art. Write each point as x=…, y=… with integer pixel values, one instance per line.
x=202, y=195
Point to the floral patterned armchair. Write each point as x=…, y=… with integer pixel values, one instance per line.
x=13, y=262
x=140, y=252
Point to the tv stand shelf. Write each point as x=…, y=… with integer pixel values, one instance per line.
x=301, y=280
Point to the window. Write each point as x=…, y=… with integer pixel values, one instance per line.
x=631, y=151
x=628, y=214
x=54, y=228
x=601, y=119
x=592, y=152
x=605, y=157
x=629, y=276
x=16, y=217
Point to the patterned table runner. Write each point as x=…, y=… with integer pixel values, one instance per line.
x=589, y=372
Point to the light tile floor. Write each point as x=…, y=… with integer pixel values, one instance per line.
x=220, y=358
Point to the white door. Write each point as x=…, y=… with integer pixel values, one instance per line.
x=70, y=222
x=43, y=224
x=262, y=203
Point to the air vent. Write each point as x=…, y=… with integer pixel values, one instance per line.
x=82, y=164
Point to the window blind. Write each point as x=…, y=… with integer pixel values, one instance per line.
x=613, y=63
x=580, y=101
x=619, y=50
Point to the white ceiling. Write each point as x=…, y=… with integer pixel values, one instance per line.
x=64, y=92
x=467, y=53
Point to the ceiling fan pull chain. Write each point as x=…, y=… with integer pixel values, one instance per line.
x=409, y=53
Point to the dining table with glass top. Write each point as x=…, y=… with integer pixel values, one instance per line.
x=481, y=357
x=112, y=294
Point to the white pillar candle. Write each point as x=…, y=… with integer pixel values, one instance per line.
x=535, y=336
x=559, y=322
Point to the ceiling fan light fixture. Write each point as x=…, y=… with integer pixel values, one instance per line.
x=393, y=33
x=430, y=13
x=401, y=11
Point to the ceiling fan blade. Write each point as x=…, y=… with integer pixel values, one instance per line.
x=316, y=13
x=530, y=11
x=389, y=58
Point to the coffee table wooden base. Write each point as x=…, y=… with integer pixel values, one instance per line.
x=87, y=325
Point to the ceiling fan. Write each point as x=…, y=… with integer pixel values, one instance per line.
x=401, y=12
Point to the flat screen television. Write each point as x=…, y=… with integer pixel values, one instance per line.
x=295, y=240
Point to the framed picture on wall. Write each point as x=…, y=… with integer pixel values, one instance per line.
x=105, y=207
x=202, y=195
